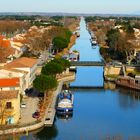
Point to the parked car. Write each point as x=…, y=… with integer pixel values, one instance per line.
x=23, y=105
x=28, y=91
x=36, y=114
x=41, y=94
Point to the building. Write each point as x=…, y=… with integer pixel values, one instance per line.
x=9, y=107
x=9, y=84
x=12, y=80
x=8, y=51
x=26, y=65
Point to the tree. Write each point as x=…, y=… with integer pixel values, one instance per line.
x=64, y=63
x=112, y=38
x=44, y=83
x=130, y=32
x=59, y=43
x=52, y=68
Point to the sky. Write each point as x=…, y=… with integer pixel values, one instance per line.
x=72, y=6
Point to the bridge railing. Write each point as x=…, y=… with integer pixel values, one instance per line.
x=87, y=63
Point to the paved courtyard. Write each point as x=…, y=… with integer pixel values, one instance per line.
x=31, y=107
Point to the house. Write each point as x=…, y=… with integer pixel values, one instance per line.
x=19, y=43
x=12, y=80
x=9, y=107
x=6, y=51
x=27, y=65
x=7, y=84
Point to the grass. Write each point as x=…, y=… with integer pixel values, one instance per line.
x=112, y=76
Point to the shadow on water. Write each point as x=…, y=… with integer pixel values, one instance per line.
x=48, y=133
x=128, y=99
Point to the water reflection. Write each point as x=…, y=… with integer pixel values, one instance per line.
x=109, y=85
x=128, y=99
x=65, y=117
x=48, y=133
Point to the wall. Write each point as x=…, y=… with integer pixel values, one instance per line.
x=112, y=70
x=13, y=112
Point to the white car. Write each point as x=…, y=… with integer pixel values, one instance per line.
x=23, y=105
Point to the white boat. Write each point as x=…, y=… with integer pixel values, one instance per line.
x=94, y=43
x=65, y=103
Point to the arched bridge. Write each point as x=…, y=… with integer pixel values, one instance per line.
x=87, y=63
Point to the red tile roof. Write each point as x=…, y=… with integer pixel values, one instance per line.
x=22, y=62
x=1, y=36
x=9, y=82
x=5, y=52
x=4, y=43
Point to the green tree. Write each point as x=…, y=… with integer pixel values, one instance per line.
x=112, y=38
x=64, y=63
x=59, y=43
x=52, y=68
x=44, y=83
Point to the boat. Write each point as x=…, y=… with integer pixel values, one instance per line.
x=65, y=103
x=74, y=55
x=94, y=43
x=73, y=68
x=77, y=34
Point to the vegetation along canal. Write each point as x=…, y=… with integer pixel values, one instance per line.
x=99, y=113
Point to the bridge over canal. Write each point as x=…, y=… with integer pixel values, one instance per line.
x=87, y=63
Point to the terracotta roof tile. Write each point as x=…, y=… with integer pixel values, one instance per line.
x=9, y=82
x=22, y=62
x=5, y=43
x=5, y=52
x=8, y=94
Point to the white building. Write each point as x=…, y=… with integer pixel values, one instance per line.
x=25, y=65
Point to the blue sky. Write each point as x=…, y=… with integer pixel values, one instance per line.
x=71, y=6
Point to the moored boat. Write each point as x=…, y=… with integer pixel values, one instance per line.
x=65, y=103
x=94, y=43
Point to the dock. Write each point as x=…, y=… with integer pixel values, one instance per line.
x=51, y=110
x=50, y=117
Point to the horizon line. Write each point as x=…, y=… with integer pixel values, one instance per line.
x=81, y=13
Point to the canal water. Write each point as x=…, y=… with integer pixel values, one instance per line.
x=99, y=113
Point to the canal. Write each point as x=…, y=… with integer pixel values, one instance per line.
x=99, y=113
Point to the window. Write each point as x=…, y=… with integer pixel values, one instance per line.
x=8, y=105
x=12, y=88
